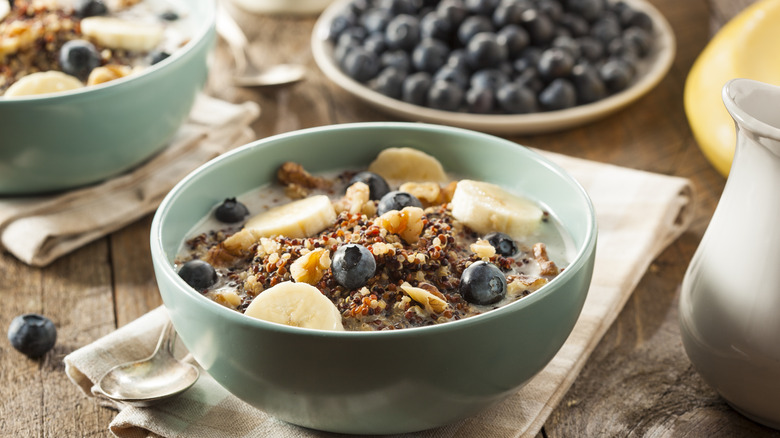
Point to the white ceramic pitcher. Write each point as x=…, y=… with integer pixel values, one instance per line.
x=730, y=298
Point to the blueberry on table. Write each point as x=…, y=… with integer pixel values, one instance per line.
x=231, y=211
x=396, y=200
x=90, y=8
x=482, y=283
x=32, y=334
x=503, y=243
x=377, y=186
x=352, y=266
x=78, y=58
x=198, y=274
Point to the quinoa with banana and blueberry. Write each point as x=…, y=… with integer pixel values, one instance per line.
x=58, y=45
x=386, y=259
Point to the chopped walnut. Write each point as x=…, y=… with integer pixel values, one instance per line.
x=310, y=267
x=518, y=284
x=294, y=173
x=445, y=194
x=407, y=223
x=430, y=301
x=356, y=200
x=548, y=266
x=228, y=298
x=108, y=73
x=483, y=249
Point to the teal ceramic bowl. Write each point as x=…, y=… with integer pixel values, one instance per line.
x=376, y=382
x=65, y=140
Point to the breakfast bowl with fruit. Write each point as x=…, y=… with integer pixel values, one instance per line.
x=374, y=277
x=507, y=67
x=92, y=88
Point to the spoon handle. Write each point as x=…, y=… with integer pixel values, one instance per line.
x=229, y=30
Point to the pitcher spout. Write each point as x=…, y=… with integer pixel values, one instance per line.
x=755, y=108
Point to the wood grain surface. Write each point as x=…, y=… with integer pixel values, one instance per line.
x=638, y=381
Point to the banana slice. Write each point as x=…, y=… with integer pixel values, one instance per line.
x=296, y=304
x=121, y=34
x=302, y=218
x=43, y=83
x=486, y=207
x=407, y=164
x=5, y=8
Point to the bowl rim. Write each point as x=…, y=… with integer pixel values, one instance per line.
x=585, y=251
x=200, y=36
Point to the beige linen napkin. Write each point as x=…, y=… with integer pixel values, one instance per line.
x=38, y=230
x=638, y=215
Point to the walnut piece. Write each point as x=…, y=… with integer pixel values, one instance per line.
x=431, y=302
x=483, y=249
x=293, y=173
x=407, y=223
x=549, y=268
x=310, y=267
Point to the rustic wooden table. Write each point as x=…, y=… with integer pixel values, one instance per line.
x=638, y=381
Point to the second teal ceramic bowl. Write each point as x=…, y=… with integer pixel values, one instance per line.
x=65, y=140
x=376, y=382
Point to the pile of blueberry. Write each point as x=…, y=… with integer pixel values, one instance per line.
x=492, y=56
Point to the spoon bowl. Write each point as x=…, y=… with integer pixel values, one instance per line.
x=247, y=74
x=147, y=381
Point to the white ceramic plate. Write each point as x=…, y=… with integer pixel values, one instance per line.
x=651, y=70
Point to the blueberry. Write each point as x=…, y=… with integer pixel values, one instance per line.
x=231, y=211
x=457, y=59
x=605, y=29
x=353, y=265
x=375, y=42
x=560, y=94
x=530, y=79
x=551, y=8
x=375, y=20
x=514, y=38
x=588, y=9
x=472, y=26
x=591, y=48
x=90, y=8
x=480, y=100
x=491, y=79
x=515, y=98
x=575, y=24
x=453, y=75
x=484, y=51
x=377, y=186
x=415, y=88
x=32, y=334
x=389, y=82
x=616, y=74
x=482, y=283
x=397, y=59
x=430, y=55
x=568, y=44
x=555, y=63
x=159, y=56
x=198, y=274
x=503, y=243
x=639, y=39
x=454, y=11
x=433, y=25
x=403, y=32
x=78, y=58
x=445, y=95
x=169, y=16
x=339, y=24
x=588, y=83
x=509, y=13
x=361, y=64
x=396, y=200
x=481, y=7
x=539, y=26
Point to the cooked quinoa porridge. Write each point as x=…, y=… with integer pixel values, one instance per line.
x=402, y=244
x=48, y=46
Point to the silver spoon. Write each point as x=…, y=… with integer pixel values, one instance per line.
x=248, y=75
x=147, y=381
